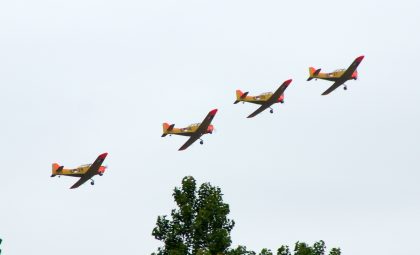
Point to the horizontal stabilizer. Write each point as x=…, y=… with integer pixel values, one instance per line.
x=240, y=95
x=57, y=171
x=313, y=73
x=167, y=128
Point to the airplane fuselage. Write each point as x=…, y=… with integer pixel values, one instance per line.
x=335, y=76
x=75, y=172
x=260, y=99
x=189, y=130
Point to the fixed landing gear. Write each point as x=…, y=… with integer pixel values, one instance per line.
x=345, y=87
x=201, y=142
x=92, y=182
x=100, y=174
x=271, y=110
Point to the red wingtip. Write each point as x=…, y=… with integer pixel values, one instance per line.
x=213, y=112
x=359, y=59
x=103, y=155
x=288, y=82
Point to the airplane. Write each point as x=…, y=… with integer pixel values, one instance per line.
x=339, y=77
x=85, y=172
x=266, y=100
x=194, y=131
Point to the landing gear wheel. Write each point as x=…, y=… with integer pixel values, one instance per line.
x=345, y=88
x=201, y=142
x=271, y=111
x=92, y=183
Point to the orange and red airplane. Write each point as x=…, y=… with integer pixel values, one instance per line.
x=194, y=131
x=339, y=77
x=85, y=172
x=266, y=100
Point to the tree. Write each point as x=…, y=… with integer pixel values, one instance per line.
x=283, y=250
x=199, y=225
x=265, y=252
x=335, y=251
x=240, y=250
x=303, y=249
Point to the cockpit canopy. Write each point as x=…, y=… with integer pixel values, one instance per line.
x=339, y=70
x=192, y=126
x=266, y=94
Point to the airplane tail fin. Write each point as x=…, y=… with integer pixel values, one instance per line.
x=313, y=73
x=240, y=95
x=56, y=169
x=167, y=128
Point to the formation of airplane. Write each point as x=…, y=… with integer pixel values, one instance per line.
x=339, y=77
x=84, y=172
x=266, y=100
x=194, y=131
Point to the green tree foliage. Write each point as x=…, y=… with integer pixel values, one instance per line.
x=199, y=225
x=283, y=250
x=335, y=251
x=265, y=252
x=300, y=249
x=303, y=249
x=240, y=250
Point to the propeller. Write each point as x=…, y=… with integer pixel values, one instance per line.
x=105, y=168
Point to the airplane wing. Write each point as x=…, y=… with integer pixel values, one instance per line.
x=259, y=110
x=273, y=99
x=93, y=169
x=206, y=122
x=189, y=142
x=200, y=130
x=333, y=87
x=279, y=91
x=346, y=75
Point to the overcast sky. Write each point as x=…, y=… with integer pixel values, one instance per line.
x=79, y=78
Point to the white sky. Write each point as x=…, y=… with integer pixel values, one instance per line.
x=79, y=78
